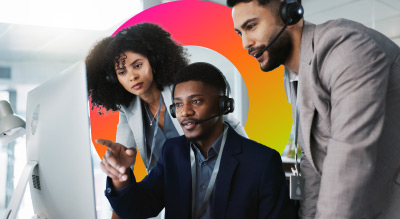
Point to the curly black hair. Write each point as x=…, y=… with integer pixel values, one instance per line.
x=166, y=57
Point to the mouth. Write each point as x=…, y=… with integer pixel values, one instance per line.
x=137, y=86
x=188, y=124
x=254, y=52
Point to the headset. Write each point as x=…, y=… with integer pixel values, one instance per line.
x=291, y=13
x=225, y=105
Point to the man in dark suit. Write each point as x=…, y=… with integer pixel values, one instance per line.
x=210, y=172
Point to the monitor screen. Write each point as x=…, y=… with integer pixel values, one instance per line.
x=58, y=138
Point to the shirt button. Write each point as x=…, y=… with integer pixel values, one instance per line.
x=204, y=163
x=203, y=187
x=108, y=190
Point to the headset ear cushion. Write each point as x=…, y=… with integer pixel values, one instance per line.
x=226, y=105
x=231, y=105
x=291, y=13
x=172, y=110
x=111, y=79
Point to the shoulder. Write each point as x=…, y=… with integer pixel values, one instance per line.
x=253, y=149
x=133, y=106
x=338, y=28
x=173, y=143
x=347, y=37
x=353, y=45
x=167, y=95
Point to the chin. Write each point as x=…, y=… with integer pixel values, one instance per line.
x=268, y=67
x=194, y=137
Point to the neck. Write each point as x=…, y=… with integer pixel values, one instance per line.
x=205, y=144
x=296, y=32
x=152, y=98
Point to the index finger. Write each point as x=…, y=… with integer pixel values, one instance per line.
x=107, y=143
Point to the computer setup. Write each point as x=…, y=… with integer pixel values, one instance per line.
x=59, y=165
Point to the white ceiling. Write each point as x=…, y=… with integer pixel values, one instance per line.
x=29, y=43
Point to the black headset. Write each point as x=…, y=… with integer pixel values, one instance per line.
x=226, y=104
x=291, y=12
x=112, y=79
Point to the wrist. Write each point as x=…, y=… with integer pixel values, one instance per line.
x=117, y=184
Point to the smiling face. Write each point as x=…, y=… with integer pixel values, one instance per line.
x=257, y=26
x=134, y=73
x=193, y=101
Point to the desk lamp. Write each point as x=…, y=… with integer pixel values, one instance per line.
x=11, y=125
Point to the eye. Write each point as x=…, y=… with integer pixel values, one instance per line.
x=178, y=105
x=138, y=65
x=120, y=72
x=239, y=33
x=195, y=102
x=250, y=26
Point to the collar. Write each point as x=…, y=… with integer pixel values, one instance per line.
x=215, y=147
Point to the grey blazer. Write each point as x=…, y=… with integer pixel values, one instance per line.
x=130, y=131
x=349, y=100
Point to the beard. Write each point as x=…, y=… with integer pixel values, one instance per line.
x=278, y=52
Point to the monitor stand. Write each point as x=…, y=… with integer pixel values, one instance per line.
x=12, y=210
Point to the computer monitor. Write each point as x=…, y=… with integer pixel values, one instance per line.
x=58, y=139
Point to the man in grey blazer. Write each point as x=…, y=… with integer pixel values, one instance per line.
x=346, y=80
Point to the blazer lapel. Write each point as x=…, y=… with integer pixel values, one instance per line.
x=227, y=168
x=136, y=124
x=306, y=105
x=185, y=183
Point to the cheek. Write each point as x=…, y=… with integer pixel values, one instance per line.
x=123, y=82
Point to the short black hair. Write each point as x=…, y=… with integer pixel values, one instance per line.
x=204, y=72
x=232, y=3
x=165, y=56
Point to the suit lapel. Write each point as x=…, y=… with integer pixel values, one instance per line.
x=228, y=166
x=185, y=183
x=306, y=104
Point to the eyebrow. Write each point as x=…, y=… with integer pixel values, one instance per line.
x=191, y=96
x=134, y=62
x=246, y=23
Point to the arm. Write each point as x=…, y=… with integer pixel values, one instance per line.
x=134, y=200
x=274, y=193
x=356, y=74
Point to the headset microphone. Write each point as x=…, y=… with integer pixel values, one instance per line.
x=257, y=55
x=196, y=122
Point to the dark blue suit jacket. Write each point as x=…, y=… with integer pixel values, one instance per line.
x=250, y=184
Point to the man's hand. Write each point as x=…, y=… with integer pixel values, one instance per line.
x=117, y=160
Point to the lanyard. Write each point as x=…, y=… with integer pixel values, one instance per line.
x=214, y=174
x=296, y=130
x=155, y=132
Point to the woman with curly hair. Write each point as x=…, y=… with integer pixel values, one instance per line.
x=132, y=72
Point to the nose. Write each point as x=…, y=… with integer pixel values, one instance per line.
x=247, y=42
x=132, y=76
x=187, y=110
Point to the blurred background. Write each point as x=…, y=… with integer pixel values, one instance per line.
x=39, y=39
